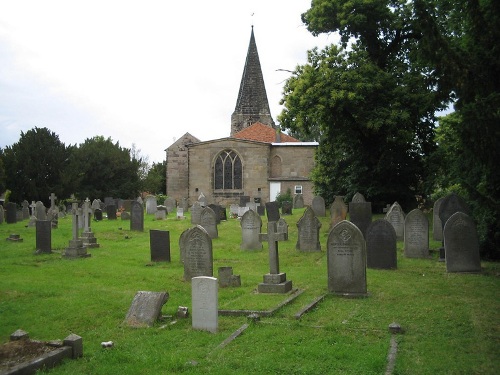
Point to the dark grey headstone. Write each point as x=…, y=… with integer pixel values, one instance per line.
x=381, y=250
x=360, y=214
x=159, y=242
x=43, y=236
x=251, y=226
x=244, y=199
x=198, y=257
x=396, y=217
x=308, y=228
x=41, y=211
x=2, y=214
x=346, y=260
x=208, y=220
x=273, y=211
x=298, y=201
x=216, y=209
x=451, y=204
x=98, y=214
x=286, y=208
x=11, y=215
x=261, y=210
x=136, y=217
x=461, y=244
x=416, y=235
x=145, y=308
x=318, y=206
x=437, y=226
x=111, y=211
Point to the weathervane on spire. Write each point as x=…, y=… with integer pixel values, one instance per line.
x=252, y=18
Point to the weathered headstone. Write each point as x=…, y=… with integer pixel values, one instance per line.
x=125, y=215
x=381, y=247
x=111, y=211
x=184, y=204
x=159, y=243
x=161, y=212
x=227, y=279
x=261, y=210
x=252, y=206
x=318, y=206
x=196, y=213
x=26, y=210
x=437, y=226
x=461, y=244
x=358, y=198
x=308, y=228
x=151, y=204
x=346, y=260
x=43, y=237
x=180, y=213
x=222, y=213
x=183, y=244
x=41, y=212
x=96, y=204
x=75, y=248
x=360, y=212
x=171, y=204
x=137, y=217
x=97, y=214
x=451, y=204
x=338, y=211
x=145, y=308
x=205, y=305
x=198, y=257
x=416, y=235
x=216, y=208
x=251, y=226
x=282, y=227
x=273, y=211
x=1, y=215
x=286, y=208
x=298, y=201
x=208, y=220
x=396, y=217
x=11, y=213
x=275, y=281
x=88, y=237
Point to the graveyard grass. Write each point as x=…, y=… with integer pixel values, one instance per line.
x=450, y=321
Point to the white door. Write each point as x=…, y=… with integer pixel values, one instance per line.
x=274, y=190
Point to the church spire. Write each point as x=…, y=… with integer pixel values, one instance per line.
x=252, y=105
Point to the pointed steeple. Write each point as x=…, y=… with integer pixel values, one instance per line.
x=252, y=105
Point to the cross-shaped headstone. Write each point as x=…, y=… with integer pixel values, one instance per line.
x=87, y=213
x=33, y=206
x=272, y=237
x=52, y=200
x=74, y=211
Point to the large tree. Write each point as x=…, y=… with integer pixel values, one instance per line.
x=34, y=166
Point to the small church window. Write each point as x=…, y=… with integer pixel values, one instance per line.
x=298, y=189
x=228, y=171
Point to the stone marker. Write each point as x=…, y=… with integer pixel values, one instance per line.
x=180, y=213
x=242, y=210
x=244, y=199
x=26, y=210
x=273, y=211
x=159, y=243
x=251, y=225
x=233, y=210
x=11, y=213
x=198, y=257
x=227, y=279
x=282, y=227
x=416, y=235
x=161, y=212
x=43, y=237
x=308, y=228
x=274, y=281
x=171, y=204
x=145, y=308
x=286, y=208
x=137, y=216
x=111, y=211
x=360, y=212
x=461, y=244
x=346, y=260
x=98, y=214
x=75, y=248
x=1, y=214
x=318, y=206
x=216, y=208
x=208, y=220
x=41, y=212
x=338, y=209
x=358, y=198
x=437, y=226
x=183, y=244
x=88, y=238
x=196, y=213
x=396, y=217
x=381, y=247
x=205, y=305
x=151, y=204
x=451, y=204
x=298, y=201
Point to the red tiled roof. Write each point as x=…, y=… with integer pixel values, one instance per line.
x=262, y=133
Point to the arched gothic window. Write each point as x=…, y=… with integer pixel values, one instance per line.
x=228, y=171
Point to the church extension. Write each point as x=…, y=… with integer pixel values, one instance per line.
x=256, y=160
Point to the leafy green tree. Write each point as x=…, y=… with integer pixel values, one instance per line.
x=34, y=166
x=156, y=180
x=99, y=168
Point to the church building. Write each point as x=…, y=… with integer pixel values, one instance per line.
x=256, y=160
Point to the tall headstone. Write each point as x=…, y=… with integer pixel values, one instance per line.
x=88, y=237
x=1, y=214
x=151, y=204
x=396, y=217
x=198, y=257
x=338, y=211
x=136, y=217
x=75, y=248
x=183, y=243
x=26, y=210
x=208, y=220
x=205, y=306
x=346, y=260
x=273, y=211
x=251, y=226
x=43, y=237
x=196, y=213
x=159, y=243
x=416, y=235
x=461, y=244
x=298, y=201
x=11, y=213
x=437, y=226
x=111, y=211
x=275, y=281
x=171, y=204
x=308, y=228
x=360, y=212
x=282, y=227
x=451, y=204
x=381, y=247
x=41, y=212
x=318, y=206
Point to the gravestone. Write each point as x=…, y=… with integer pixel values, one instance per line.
x=396, y=217
x=216, y=208
x=161, y=213
x=111, y=211
x=41, y=212
x=416, y=235
x=159, y=243
x=205, y=306
x=360, y=212
x=180, y=213
x=251, y=226
x=346, y=260
x=182, y=244
x=184, y=204
x=242, y=210
x=75, y=248
x=282, y=227
x=11, y=215
x=1, y=214
x=145, y=308
x=261, y=210
x=286, y=208
x=252, y=206
x=244, y=199
x=318, y=206
x=26, y=210
x=273, y=211
x=97, y=214
x=151, y=204
x=222, y=213
x=198, y=257
x=88, y=237
x=137, y=217
x=32, y=222
x=171, y=204
x=227, y=279
x=233, y=210
x=275, y=281
x=43, y=237
x=298, y=201
x=96, y=204
x=196, y=213
x=451, y=204
x=202, y=200
x=308, y=228
x=437, y=226
x=461, y=244
x=208, y=220
x=381, y=245
x=338, y=211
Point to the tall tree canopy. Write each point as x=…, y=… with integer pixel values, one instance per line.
x=34, y=166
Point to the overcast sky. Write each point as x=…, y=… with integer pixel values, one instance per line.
x=140, y=72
